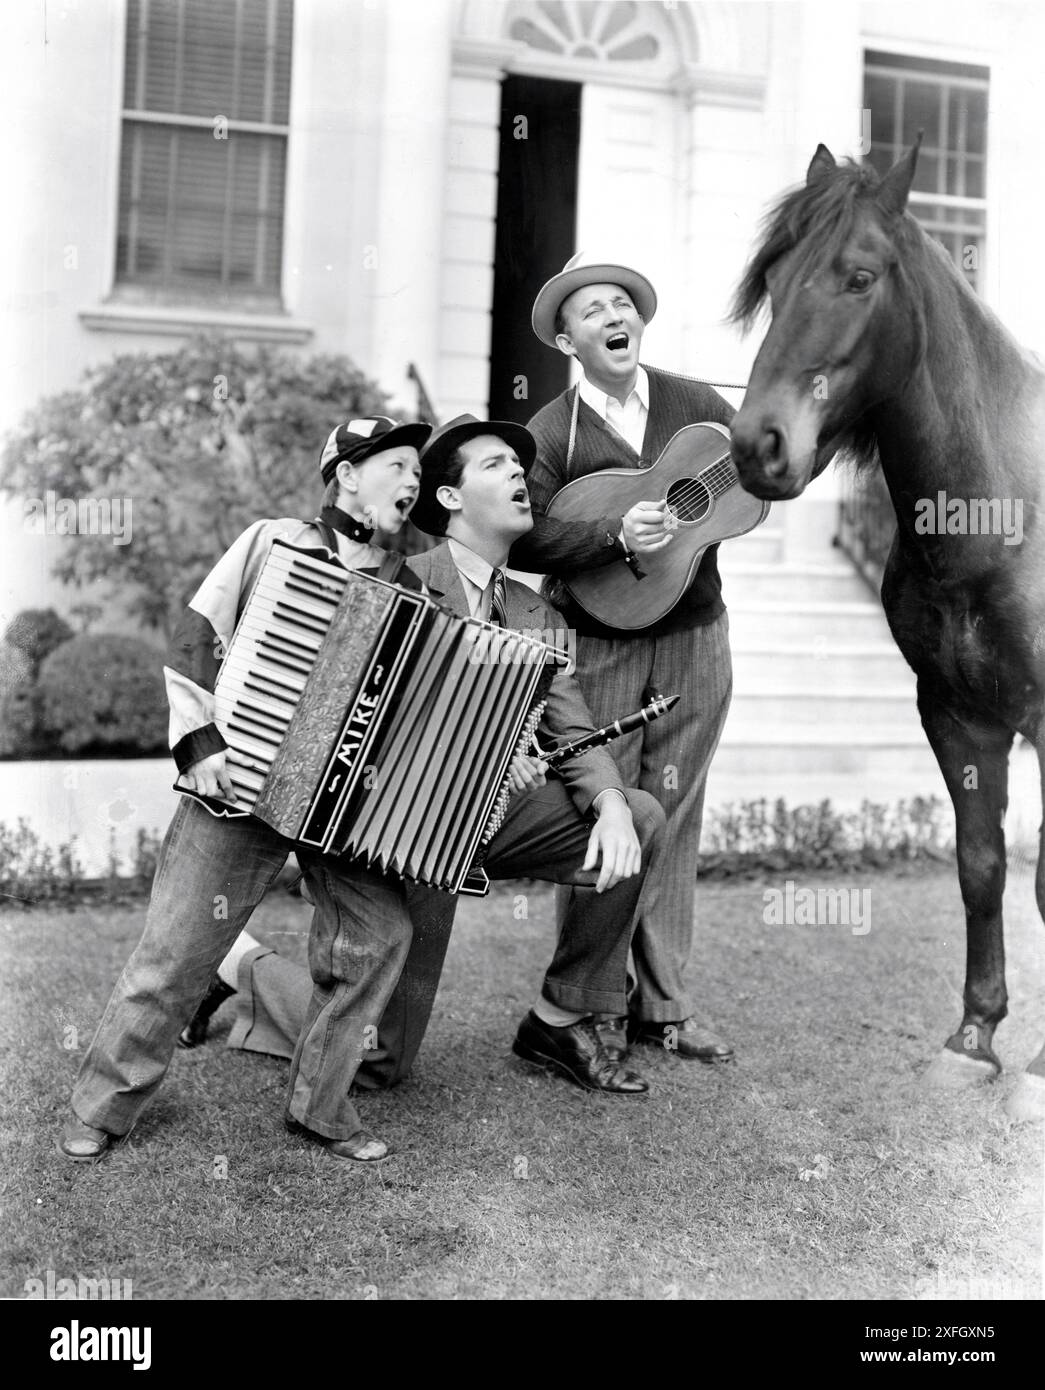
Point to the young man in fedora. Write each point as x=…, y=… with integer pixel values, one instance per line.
x=213, y=870
x=621, y=415
x=582, y=827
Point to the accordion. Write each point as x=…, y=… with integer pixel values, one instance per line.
x=364, y=720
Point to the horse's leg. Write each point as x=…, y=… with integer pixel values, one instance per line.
x=974, y=758
x=1027, y=1099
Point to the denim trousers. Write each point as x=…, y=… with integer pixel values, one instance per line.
x=211, y=875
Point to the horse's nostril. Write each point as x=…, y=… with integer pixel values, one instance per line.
x=774, y=462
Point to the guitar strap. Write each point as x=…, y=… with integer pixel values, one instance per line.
x=679, y=376
x=571, y=445
x=700, y=380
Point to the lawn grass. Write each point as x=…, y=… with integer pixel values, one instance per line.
x=816, y=1166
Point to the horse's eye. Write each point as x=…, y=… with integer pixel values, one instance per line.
x=859, y=282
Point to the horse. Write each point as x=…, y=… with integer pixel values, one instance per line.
x=879, y=349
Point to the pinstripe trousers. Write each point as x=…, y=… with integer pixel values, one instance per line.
x=669, y=758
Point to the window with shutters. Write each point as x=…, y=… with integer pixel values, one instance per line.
x=948, y=102
x=204, y=148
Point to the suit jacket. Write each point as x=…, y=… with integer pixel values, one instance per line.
x=566, y=715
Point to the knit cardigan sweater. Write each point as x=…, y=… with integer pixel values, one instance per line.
x=556, y=548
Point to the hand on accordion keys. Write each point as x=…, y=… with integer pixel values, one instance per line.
x=209, y=777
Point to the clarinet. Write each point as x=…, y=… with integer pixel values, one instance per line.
x=555, y=757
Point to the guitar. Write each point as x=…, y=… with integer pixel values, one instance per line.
x=705, y=504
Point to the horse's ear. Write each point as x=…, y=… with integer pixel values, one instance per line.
x=894, y=188
x=821, y=164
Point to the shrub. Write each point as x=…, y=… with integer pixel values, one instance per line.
x=753, y=839
x=32, y=872
x=196, y=443
x=36, y=633
x=104, y=693
x=16, y=686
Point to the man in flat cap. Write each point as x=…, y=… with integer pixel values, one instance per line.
x=621, y=415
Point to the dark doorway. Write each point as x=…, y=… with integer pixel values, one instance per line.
x=536, y=220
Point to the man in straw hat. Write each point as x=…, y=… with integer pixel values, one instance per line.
x=621, y=415
x=581, y=827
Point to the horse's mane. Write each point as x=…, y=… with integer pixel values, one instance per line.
x=819, y=214
x=820, y=217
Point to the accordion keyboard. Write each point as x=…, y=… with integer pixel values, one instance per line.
x=270, y=659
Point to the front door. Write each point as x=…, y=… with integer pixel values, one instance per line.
x=536, y=218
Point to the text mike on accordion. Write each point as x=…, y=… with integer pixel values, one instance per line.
x=363, y=719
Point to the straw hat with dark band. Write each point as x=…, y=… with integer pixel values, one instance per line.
x=581, y=270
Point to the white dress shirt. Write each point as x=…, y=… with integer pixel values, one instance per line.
x=476, y=574
x=629, y=419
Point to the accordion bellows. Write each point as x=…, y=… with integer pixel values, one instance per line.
x=364, y=720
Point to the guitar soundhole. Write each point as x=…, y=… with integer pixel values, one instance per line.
x=688, y=499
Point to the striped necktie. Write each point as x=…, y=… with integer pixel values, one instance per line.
x=498, y=609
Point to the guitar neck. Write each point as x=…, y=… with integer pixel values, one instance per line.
x=720, y=476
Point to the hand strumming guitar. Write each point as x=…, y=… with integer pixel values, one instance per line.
x=645, y=528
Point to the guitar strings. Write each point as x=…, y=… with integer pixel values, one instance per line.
x=715, y=479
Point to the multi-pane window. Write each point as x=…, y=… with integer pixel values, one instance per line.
x=203, y=160
x=948, y=101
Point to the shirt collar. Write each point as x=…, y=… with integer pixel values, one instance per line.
x=347, y=525
x=471, y=564
x=591, y=395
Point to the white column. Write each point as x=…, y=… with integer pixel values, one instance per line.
x=725, y=188
x=469, y=226
x=403, y=264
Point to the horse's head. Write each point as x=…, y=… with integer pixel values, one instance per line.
x=844, y=333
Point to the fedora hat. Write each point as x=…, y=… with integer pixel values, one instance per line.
x=427, y=512
x=581, y=270
x=357, y=440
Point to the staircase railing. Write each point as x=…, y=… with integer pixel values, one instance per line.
x=426, y=411
x=866, y=524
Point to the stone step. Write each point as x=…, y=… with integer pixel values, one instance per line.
x=868, y=735
x=746, y=584
x=808, y=622
x=844, y=707
x=764, y=545
x=881, y=754
x=817, y=666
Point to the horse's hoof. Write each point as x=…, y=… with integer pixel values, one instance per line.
x=953, y=1072
x=1026, y=1100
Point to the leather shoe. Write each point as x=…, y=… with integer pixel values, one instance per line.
x=578, y=1053
x=613, y=1033
x=361, y=1147
x=195, y=1031
x=82, y=1143
x=689, y=1038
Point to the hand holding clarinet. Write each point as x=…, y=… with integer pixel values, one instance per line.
x=528, y=770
